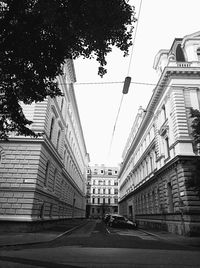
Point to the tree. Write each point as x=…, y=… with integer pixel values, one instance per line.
x=37, y=36
x=194, y=181
x=195, y=114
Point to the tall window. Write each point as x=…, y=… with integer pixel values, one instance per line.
x=179, y=54
x=164, y=112
x=46, y=173
x=170, y=198
x=151, y=163
x=167, y=147
x=58, y=140
x=51, y=128
x=198, y=54
x=54, y=179
x=42, y=210
x=62, y=102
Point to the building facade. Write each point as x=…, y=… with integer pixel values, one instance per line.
x=102, y=191
x=44, y=179
x=158, y=156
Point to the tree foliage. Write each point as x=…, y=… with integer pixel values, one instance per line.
x=37, y=36
x=195, y=114
x=194, y=181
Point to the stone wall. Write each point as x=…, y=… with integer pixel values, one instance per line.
x=165, y=202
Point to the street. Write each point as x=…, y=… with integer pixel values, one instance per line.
x=96, y=245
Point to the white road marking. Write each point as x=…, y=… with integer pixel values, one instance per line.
x=136, y=233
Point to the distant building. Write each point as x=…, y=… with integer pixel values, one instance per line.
x=157, y=159
x=102, y=191
x=44, y=179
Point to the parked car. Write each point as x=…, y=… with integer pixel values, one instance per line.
x=120, y=221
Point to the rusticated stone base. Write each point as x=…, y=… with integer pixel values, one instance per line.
x=25, y=227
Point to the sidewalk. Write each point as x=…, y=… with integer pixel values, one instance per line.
x=174, y=238
x=47, y=235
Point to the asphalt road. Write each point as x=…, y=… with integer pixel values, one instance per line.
x=96, y=245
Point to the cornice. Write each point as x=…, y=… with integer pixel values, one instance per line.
x=162, y=85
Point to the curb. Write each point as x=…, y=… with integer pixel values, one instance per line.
x=69, y=231
x=170, y=241
x=46, y=241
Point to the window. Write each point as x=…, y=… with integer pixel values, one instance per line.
x=108, y=200
x=102, y=171
x=62, y=102
x=46, y=173
x=116, y=183
x=151, y=163
x=42, y=209
x=108, y=182
x=98, y=191
x=54, y=179
x=115, y=171
x=108, y=191
x=98, y=200
x=51, y=128
x=167, y=147
x=58, y=140
x=93, y=200
x=116, y=191
x=64, y=156
x=93, y=191
x=164, y=112
x=116, y=200
x=198, y=54
x=170, y=198
x=179, y=54
x=104, y=191
x=109, y=172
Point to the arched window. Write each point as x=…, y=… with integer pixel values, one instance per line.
x=179, y=54
x=51, y=128
x=46, y=173
x=58, y=140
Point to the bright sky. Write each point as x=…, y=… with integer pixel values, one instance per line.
x=160, y=22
